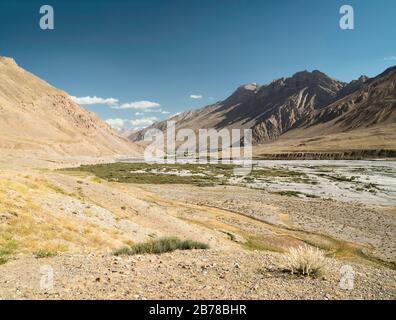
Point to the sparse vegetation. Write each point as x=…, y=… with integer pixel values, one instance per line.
x=338, y=178
x=310, y=195
x=96, y=180
x=292, y=193
x=276, y=172
x=3, y=259
x=268, y=174
x=161, y=245
x=143, y=173
x=201, y=175
x=4, y=256
x=306, y=261
x=7, y=247
x=289, y=193
x=230, y=235
x=56, y=188
x=44, y=254
x=29, y=228
x=5, y=253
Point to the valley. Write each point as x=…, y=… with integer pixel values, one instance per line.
x=73, y=220
x=79, y=205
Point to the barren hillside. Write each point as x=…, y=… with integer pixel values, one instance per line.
x=38, y=119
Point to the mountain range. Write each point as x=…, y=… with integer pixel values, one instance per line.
x=305, y=105
x=289, y=114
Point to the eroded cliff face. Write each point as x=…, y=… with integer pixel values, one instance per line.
x=374, y=103
x=269, y=110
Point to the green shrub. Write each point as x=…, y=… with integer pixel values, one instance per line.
x=288, y=193
x=161, y=245
x=44, y=254
x=3, y=259
x=123, y=251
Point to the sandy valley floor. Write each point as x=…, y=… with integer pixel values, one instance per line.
x=77, y=220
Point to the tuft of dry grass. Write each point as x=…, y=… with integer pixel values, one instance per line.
x=306, y=261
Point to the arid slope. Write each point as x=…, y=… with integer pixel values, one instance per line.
x=38, y=119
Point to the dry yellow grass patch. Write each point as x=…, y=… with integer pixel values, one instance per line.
x=28, y=228
x=306, y=261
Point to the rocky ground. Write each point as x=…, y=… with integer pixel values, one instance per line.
x=67, y=225
x=374, y=226
x=211, y=274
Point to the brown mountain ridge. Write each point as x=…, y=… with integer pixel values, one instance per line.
x=307, y=104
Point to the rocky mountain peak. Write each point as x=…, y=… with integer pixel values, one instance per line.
x=244, y=92
x=306, y=78
x=363, y=78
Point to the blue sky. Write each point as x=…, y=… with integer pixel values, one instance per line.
x=164, y=51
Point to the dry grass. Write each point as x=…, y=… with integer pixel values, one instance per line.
x=44, y=254
x=27, y=227
x=306, y=261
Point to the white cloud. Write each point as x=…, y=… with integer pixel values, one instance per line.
x=155, y=111
x=392, y=58
x=196, y=96
x=94, y=100
x=138, y=105
x=143, y=106
x=117, y=123
x=144, y=122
